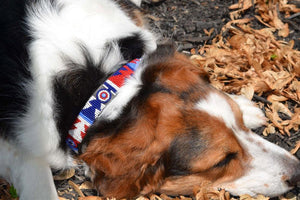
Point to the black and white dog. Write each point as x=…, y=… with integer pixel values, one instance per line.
x=165, y=130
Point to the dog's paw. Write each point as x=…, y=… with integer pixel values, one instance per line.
x=253, y=116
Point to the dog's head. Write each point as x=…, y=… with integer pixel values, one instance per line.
x=177, y=132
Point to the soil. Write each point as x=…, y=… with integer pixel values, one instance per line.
x=184, y=21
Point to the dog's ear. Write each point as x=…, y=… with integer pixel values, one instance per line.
x=127, y=162
x=123, y=173
x=166, y=56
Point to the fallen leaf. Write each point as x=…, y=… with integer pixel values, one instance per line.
x=274, y=98
x=280, y=107
x=66, y=174
x=297, y=147
x=270, y=129
x=248, y=91
x=91, y=198
x=86, y=185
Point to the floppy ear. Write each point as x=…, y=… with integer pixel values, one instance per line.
x=127, y=162
x=119, y=172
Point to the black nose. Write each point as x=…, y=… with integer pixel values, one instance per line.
x=295, y=178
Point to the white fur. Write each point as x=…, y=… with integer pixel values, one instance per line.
x=125, y=94
x=253, y=117
x=215, y=104
x=31, y=176
x=269, y=165
x=57, y=34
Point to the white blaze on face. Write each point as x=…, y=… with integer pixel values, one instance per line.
x=270, y=166
x=216, y=105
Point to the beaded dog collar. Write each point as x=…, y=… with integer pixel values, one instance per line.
x=97, y=102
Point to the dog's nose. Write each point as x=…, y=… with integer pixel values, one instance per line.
x=295, y=178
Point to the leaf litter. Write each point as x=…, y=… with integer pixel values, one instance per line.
x=248, y=62
x=254, y=63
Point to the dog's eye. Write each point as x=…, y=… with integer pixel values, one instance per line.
x=226, y=160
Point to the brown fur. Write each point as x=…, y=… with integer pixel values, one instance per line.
x=140, y=159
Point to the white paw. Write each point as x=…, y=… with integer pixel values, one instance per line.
x=253, y=116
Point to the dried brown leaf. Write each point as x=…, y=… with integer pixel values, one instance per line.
x=242, y=5
x=91, y=198
x=283, y=28
x=274, y=98
x=270, y=129
x=86, y=185
x=274, y=118
x=155, y=197
x=297, y=147
x=142, y=198
x=295, y=120
x=208, y=33
x=280, y=107
x=66, y=174
x=248, y=91
x=165, y=197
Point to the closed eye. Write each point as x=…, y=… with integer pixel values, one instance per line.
x=226, y=160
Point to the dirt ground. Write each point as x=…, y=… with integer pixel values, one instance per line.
x=184, y=21
x=187, y=22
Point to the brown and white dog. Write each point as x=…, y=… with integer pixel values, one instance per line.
x=166, y=130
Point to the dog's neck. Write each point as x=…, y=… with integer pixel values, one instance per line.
x=97, y=103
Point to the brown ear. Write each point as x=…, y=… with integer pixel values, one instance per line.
x=127, y=163
x=187, y=62
x=123, y=174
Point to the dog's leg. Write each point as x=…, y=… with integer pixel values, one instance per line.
x=31, y=177
x=253, y=117
x=36, y=181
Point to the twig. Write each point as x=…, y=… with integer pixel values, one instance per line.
x=294, y=15
x=76, y=188
x=293, y=24
x=258, y=98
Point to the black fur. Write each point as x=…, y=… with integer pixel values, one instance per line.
x=13, y=65
x=226, y=160
x=178, y=162
x=72, y=89
x=132, y=47
x=74, y=86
